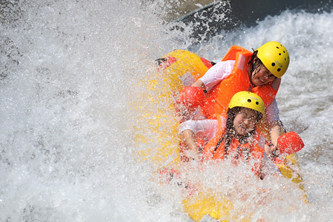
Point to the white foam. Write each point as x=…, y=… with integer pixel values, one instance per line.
x=71, y=70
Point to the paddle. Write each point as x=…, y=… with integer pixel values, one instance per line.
x=289, y=143
x=192, y=97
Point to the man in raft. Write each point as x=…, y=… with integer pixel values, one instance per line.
x=259, y=72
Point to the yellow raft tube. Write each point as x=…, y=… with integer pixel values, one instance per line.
x=158, y=140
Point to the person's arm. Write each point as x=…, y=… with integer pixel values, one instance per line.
x=275, y=131
x=275, y=125
x=188, y=139
x=188, y=131
x=199, y=83
x=215, y=75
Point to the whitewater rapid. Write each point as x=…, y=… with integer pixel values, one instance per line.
x=69, y=76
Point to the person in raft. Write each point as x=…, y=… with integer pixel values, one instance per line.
x=238, y=138
x=241, y=70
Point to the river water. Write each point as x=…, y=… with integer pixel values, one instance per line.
x=69, y=74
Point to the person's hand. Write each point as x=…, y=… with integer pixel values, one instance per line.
x=190, y=155
x=271, y=150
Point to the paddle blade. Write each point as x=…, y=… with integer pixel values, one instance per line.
x=290, y=143
x=192, y=97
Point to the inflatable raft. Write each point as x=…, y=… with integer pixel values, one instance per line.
x=158, y=140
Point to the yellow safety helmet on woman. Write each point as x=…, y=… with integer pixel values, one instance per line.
x=275, y=58
x=248, y=100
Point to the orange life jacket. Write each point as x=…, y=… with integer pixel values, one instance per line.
x=217, y=100
x=248, y=152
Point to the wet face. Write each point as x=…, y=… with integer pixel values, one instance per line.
x=245, y=121
x=262, y=76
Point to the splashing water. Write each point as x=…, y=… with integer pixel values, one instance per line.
x=70, y=72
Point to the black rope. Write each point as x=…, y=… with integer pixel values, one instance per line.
x=219, y=142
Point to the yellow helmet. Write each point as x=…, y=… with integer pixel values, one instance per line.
x=275, y=57
x=248, y=100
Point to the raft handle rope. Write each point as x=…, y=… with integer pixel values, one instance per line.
x=223, y=137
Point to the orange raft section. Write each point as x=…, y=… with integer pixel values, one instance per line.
x=158, y=142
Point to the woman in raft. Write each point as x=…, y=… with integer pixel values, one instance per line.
x=241, y=70
x=237, y=138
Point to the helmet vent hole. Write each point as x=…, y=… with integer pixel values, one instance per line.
x=249, y=100
x=278, y=69
x=279, y=53
x=257, y=103
x=273, y=64
x=277, y=47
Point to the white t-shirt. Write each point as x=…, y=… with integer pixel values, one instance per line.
x=206, y=127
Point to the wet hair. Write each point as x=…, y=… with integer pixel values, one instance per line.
x=254, y=63
x=229, y=132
